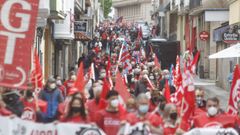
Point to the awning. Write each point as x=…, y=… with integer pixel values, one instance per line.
x=230, y=52
x=82, y=36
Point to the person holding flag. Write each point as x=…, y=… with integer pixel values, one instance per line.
x=173, y=123
x=53, y=96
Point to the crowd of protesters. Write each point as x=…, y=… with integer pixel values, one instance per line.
x=61, y=101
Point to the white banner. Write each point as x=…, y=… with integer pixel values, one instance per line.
x=212, y=131
x=137, y=129
x=17, y=126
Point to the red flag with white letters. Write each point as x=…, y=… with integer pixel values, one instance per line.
x=17, y=31
x=188, y=104
x=235, y=92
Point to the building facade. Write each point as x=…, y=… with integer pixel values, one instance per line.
x=186, y=20
x=58, y=42
x=133, y=10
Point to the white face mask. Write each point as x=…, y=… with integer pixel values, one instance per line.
x=58, y=82
x=212, y=111
x=73, y=77
x=114, y=103
x=52, y=86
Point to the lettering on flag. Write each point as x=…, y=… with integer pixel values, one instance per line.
x=17, y=19
x=234, y=93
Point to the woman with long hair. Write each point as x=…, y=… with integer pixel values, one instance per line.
x=76, y=111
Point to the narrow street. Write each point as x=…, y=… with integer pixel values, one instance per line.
x=212, y=90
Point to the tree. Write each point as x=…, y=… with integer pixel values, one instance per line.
x=106, y=5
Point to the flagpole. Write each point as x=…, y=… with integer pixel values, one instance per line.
x=120, y=55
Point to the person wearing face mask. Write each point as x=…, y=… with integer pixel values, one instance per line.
x=153, y=121
x=131, y=105
x=213, y=117
x=172, y=123
x=12, y=102
x=60, y=85
x=76, y=111
x=109, y=119
x=200, y=102
x=155, y=100
x=93, y=105
x=70, y=81
x=159, y=110
x=53, y=96
x=141, y=86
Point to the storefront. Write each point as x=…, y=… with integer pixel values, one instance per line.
x=225, y=37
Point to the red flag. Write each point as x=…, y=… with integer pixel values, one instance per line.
x=36, y=74
x=105, y=89
x=194, y=63
x=176, y=97
x=178, y=74
x=156, y=62
x=234, y=93
x=80, y=83
x=188, y=104
x=167, y=92
x=121, y=87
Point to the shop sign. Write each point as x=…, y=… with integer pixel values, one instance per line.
x=232, y=35
x=204, y=35
x=80, y=26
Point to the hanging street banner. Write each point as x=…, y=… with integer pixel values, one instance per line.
x=17, y=30
x=17, y=126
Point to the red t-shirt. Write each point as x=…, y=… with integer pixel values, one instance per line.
x=42, y=104
x=154, y=119
x=170, y=130
x=92, y=108
x=221, y=120
x=199, y=111
x=108, y=121
x=75, y=119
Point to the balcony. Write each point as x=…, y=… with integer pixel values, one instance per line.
x=198, y=6
x=43, y=13
x=173, y=6
x=57, y=9
x=122, y=3
x=183, y=7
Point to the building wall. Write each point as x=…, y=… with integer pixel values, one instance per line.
x=213, y=49
x=234, y=12
x=135, y=12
